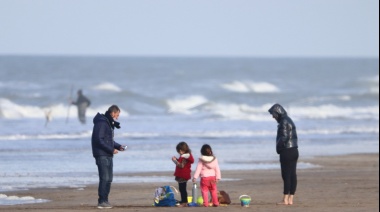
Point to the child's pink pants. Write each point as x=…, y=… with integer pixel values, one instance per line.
x=209, y=184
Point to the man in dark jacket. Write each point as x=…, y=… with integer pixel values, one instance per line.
x=103, y=149
x=287, y=148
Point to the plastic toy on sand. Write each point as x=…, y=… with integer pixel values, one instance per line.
x=245, y=200
x=200, y=201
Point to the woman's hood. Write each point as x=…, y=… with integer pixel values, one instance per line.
x=277, y=111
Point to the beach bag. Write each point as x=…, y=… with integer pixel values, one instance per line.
x=164, y=197
x=224, y=198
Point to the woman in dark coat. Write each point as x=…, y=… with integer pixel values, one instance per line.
x=287, y=148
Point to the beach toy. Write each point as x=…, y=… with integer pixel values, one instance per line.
x=192, y=204
x=245, y=200
x=189, y=199
x=200, y=201
x=194, y=193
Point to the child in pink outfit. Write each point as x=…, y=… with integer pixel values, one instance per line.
x=208, y=169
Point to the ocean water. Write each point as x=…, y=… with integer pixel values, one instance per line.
x=220, y=101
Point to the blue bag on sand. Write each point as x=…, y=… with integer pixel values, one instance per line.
x=164, y=197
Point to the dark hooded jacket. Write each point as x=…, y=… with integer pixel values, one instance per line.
x=286, y=130
x=102, y=140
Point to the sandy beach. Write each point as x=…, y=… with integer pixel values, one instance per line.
x=341, y=183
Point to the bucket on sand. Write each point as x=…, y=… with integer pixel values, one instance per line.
x=245, y=200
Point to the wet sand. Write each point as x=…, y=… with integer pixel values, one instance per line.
x=341, y=183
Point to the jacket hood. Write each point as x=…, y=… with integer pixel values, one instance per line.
x=277, y=111
x=99, y=117
x=207, y=159
x=107, y=118
x=186, y=156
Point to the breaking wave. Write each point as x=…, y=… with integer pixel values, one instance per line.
x=250, y=87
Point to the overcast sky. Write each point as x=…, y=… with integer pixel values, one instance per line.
x=248, y=28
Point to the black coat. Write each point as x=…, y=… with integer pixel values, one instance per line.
x=286, y=130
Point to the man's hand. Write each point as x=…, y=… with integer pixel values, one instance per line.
x=122, y=148
x=115, y=151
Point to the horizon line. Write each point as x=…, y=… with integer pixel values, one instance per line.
x=188, y=56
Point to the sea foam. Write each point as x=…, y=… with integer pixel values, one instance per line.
x=106, y=86
x=184, y=105
x=16, y=200
x=248, y=87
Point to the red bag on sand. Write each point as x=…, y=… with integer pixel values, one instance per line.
x=224, y=198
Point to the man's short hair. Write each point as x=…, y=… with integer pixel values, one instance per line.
x=113, y=109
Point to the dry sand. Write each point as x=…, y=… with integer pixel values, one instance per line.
x=342, y=183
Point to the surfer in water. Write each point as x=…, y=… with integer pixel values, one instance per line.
x=82, y=104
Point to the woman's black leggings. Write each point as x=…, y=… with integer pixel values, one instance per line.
x=288, y=159
x=183, y=190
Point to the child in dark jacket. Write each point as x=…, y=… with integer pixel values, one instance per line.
x=183, y=170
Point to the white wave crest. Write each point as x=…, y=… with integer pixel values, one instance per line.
x=250, y=87
x=15, y=200
x=330, y=131
x=333, y=111
x=247, y=112
x=312, y=100
x=184, y=105
x=197, y=134
x=61, y=136
x=11, y=110
x=239, y=111
x=107, y=87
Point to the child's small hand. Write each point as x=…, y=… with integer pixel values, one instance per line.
x=194, y=180
x=174, y=158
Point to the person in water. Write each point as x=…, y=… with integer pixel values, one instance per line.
x=82, y=104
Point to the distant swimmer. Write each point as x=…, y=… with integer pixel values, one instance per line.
x=82, y=103
x=48, y=116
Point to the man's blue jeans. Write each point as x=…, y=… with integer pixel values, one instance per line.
x=105, y=170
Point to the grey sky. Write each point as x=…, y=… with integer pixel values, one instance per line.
x=257, y=28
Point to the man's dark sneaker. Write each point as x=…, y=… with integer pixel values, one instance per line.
x=104, y=205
